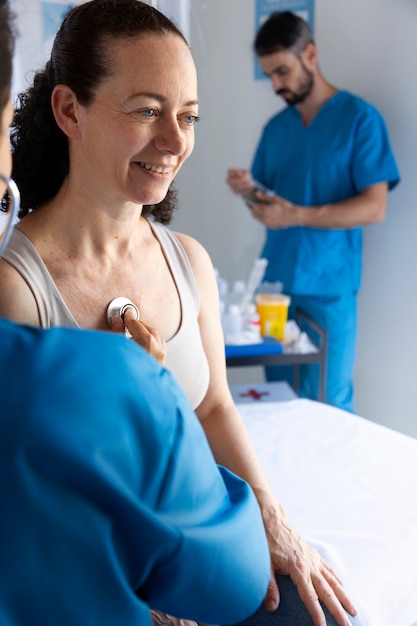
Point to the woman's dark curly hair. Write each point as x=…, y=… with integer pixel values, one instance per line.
x=80, y=60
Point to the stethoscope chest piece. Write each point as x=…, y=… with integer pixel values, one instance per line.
x=118, y=306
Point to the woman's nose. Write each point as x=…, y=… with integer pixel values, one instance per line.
x=171, y=138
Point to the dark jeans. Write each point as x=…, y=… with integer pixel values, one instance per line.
x=291, y=610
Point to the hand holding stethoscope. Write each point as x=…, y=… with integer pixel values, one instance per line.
x=123, y=316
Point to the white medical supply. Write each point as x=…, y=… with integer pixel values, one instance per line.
x=232, y=324
x=255, y=279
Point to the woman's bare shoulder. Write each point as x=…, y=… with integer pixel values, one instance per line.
x=203, y=270
x=196, y=252
x=16, y=298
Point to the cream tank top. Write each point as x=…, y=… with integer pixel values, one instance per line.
x=186, y=358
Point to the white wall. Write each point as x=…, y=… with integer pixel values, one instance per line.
x=368, y=47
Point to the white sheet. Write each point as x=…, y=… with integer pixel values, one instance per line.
x=348, y=486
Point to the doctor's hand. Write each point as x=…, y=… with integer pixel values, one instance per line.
x=240, y=182
x=146, y=336
x=314, y=578
x=276, y=212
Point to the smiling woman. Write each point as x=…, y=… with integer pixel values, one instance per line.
x=111, y=120
x=148, y=118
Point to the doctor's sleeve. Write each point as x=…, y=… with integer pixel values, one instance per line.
x=216, y=565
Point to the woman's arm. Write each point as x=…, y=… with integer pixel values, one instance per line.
x=232, y=448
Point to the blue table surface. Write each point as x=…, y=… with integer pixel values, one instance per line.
x=269, y=345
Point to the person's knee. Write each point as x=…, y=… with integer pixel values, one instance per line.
x=291, y=610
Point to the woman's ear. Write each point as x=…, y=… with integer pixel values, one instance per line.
x=65, y=108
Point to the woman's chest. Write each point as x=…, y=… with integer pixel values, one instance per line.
x=88, y=288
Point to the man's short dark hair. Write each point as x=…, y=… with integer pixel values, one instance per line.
x=282, y=30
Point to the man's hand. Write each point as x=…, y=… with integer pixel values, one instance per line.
x=275, y=212
x=240, y=182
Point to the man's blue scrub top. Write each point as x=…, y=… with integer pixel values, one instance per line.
x=110, y=498
x=344, y=150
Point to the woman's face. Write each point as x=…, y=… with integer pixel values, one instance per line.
x=5, y=152
x=139, y=130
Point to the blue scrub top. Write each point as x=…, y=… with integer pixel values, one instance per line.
x=111, y=499
x=344, y=150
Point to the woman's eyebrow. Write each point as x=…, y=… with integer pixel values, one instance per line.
x=158, y=97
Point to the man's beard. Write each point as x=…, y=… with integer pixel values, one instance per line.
x=303, y=91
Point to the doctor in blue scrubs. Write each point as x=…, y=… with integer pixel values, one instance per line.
x=111, y=501
x=327, y=158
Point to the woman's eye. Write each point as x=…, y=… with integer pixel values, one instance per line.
x=148, y=112
x=145, y=114
x=191, y=119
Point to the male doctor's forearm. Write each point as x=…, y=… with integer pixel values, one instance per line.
x=368, y=207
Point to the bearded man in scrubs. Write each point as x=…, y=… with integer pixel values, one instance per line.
x=328, y=161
